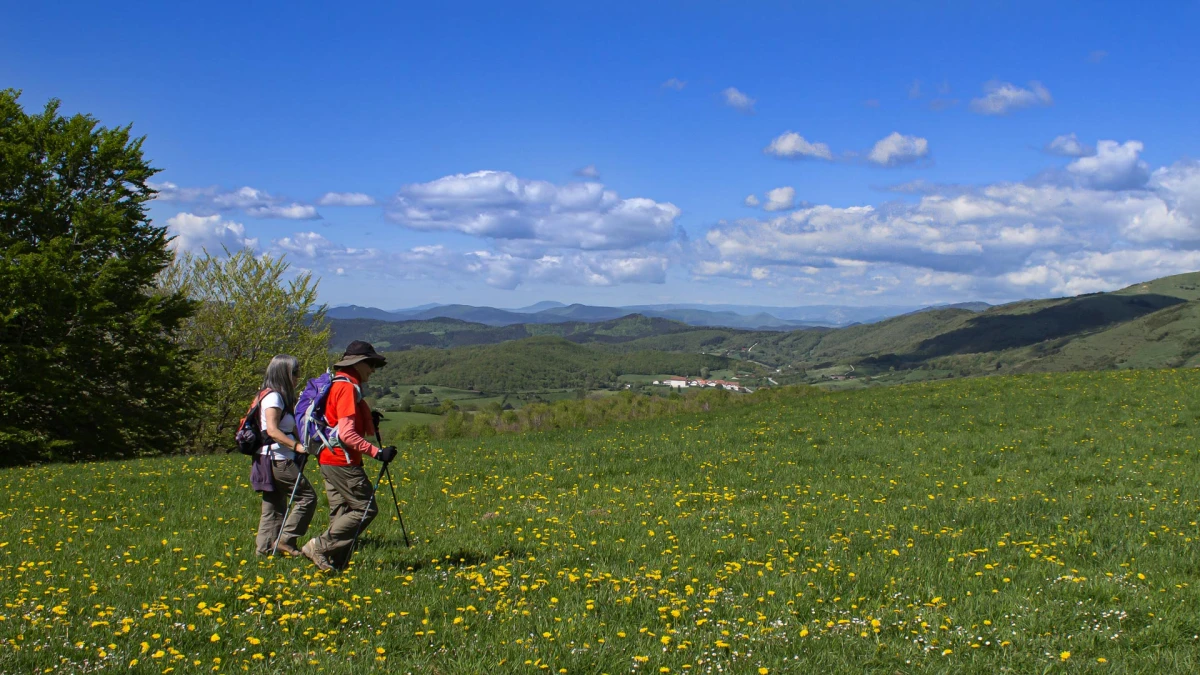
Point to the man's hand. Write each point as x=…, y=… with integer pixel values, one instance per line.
x=376, y=417
x=299, y=450
x=386, y=454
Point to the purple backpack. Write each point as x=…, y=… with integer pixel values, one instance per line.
x=311, y=426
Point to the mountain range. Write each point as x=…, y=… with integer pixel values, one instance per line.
x=1148, y=325
x=728, y=316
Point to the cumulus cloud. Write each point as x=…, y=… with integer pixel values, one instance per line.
x=588, y=171
x=780, y=199
x=674, y=83
x=1068, y=145
x=1113, y=225
x=792, y=145
x=738, y=100
x=1001, y=98
x=500, y=206
x=897, y=149
x=346, y=199
x=1114, y=166
x=252, y=201
x=195, y=234
x=751, y=200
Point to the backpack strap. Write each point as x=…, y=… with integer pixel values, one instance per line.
x=357, y=389
x=357, y=398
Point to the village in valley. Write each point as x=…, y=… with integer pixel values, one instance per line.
x=683, y=382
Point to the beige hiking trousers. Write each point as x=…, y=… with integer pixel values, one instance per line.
x=349, y=491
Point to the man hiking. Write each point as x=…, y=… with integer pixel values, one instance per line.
x=347, y=486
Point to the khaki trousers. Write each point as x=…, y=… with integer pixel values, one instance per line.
x=285, y=473
x=349, y=491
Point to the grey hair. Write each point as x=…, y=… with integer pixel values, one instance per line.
x=279, y=376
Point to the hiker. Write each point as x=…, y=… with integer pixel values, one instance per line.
x=285, y=454
x=346, y=483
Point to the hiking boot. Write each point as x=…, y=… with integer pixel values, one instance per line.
x=289, y=550
x=310, y=551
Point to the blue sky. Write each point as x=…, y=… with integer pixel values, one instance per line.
x=910, y=147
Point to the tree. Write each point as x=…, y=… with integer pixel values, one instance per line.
x=407, y=401
x=88, y=364
x=248, y=311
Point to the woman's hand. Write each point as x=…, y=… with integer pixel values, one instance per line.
x=300, y=449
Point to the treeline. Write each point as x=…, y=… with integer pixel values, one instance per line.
x=588, y=413
x=533, y=364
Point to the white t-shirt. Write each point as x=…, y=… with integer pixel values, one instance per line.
x=287, y=425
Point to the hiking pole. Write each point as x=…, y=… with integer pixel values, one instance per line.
x=291, y=500
x=361, y=521
x=392, y=487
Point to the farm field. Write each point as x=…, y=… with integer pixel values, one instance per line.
x=1033, y=523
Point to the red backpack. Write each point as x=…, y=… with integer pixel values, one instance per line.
x=250, y=437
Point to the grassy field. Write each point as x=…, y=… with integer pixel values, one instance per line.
x=1038, y=523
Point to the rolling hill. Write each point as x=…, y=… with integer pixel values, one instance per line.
x=1150, y=324
x=532, y=364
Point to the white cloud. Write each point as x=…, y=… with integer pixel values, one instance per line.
x=738, y=100
x=998, y=241
x=897, y=149
x=170, y=192
x=286, y=211
x=780, y=199
x=914, y=90
x=674, y=83
x=193, y=234
x=589, y=171
x=499, y=205
x=252, y=201
x=346, y=199
x=751, y=200
x=792, y=145
x=1115, y=166
x=1068, y=145
x=1001, y=98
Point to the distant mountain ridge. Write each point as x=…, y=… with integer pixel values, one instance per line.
x=727, y=316
x=1147, y=325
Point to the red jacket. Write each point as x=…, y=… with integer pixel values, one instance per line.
x=346, y=410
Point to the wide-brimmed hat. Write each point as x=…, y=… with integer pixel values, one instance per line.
x=360, y=351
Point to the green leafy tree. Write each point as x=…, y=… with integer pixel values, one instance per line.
x=407, y=401
x=249, y=310
x=88, y=366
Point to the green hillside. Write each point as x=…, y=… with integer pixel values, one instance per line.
x=1154, y=324
x=446, y=333
x=1026, y=524
x=532, y=364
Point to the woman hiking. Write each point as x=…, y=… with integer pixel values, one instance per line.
x=351, y=507
x=284, y=454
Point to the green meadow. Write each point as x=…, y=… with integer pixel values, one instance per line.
x=1025, y=524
